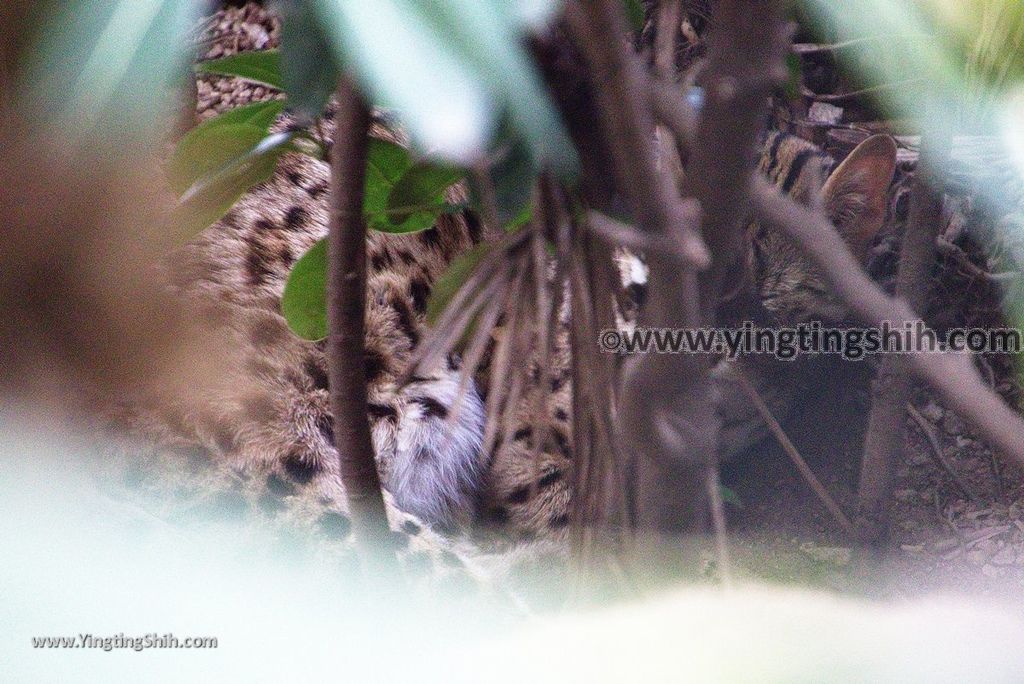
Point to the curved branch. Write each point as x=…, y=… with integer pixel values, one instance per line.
x=953, y=376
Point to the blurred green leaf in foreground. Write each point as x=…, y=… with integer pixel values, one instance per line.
x=108, y=71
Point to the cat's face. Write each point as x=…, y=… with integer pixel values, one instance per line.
x=854, y=197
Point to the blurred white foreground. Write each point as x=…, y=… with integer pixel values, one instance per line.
x=75, y=561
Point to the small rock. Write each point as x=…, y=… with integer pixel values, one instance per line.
x=932, y=411
x=963, y=442
x=834, y=555
x=978, y=556
x=952, y=424
x=989, y=546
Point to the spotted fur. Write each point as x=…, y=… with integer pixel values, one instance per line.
x=257, y=440
x=267, y=432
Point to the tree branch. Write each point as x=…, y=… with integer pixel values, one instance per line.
x=663, y=399
x=346, y=304
x=886, y=435
x=953, y=376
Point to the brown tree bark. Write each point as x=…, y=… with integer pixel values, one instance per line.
x=667, y=417
x=346, y=303
x=886, y=434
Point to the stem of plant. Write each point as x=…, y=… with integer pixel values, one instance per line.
x=346, y=303
x=886, y=434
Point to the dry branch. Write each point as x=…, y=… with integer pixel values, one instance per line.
x=953, y=376
x=663, y=399
x=932, y=437
x=346, y=303
x=628, y=126
x=794, y=455
x=886, y=435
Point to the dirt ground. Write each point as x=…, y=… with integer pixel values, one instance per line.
x=942, y=540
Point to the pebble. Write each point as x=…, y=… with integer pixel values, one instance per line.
x=979, y=556
x=963, y=442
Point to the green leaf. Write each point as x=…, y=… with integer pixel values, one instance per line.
x=102, y=71
x=263, y=66
x=449, y=68
x=400, y=196
x=209, y=149
x=405, y=65
x=479, y=31
x=261, y=114
x=451, y=280
x=403, y=196
x=524, y=216
x=217, y=190
x=309, y=68
x=422, y=185
x=304, y=303
x=512, y=172
x=216, y=141
x=794, y=76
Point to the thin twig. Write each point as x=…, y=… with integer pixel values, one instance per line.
x=477, y=346
x=816, y=48
x=489, y=204
x=928, y=430
x=474, y=294
x=629, y=126
x=544, y=223
x=801, y=465
x=714, y=492
x=953, y=376
x=840, y=98
x=973, y=270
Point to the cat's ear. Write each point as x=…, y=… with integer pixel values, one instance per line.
x=855, y=194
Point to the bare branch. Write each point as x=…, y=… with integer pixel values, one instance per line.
x=886, y=437
x=953, y=376
x=928, y=430
x=628, y=125
x=346, y=303
x=787, y=445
